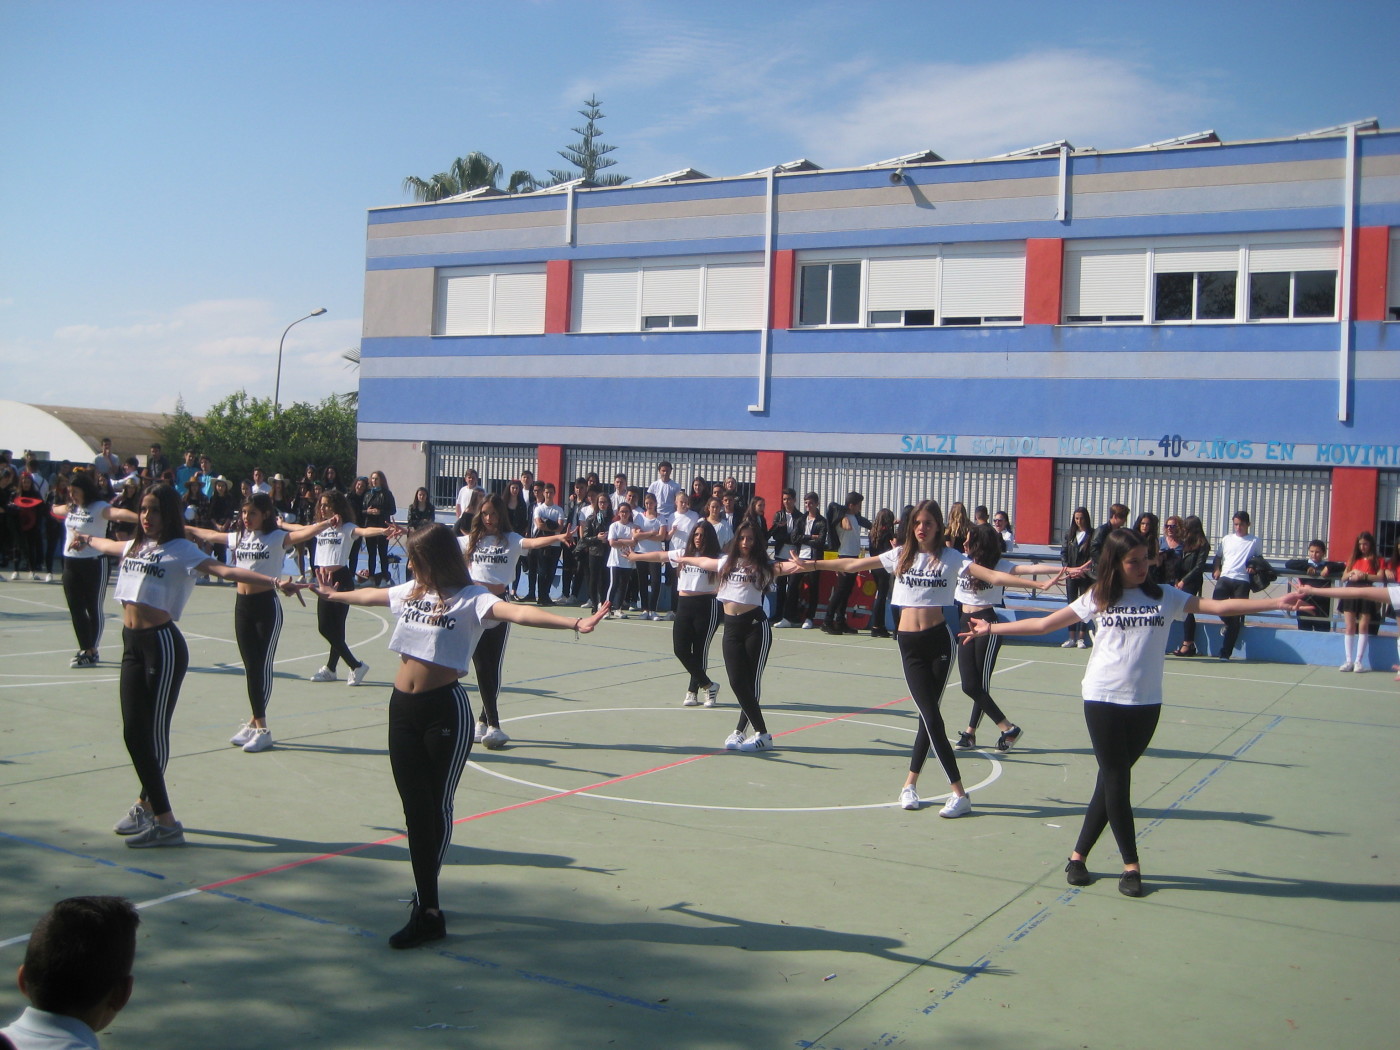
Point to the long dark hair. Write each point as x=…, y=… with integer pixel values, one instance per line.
x=437, y=563
x=1108, y=582
x=910, y=550
x=1088, y=520
x=703, y=543
x=1356, y=552
x=83, y=482
x=338, y=504
x=985, y=546
x=1194, y=534
x=172, y=516
x=757, y=559
x=262, y=503
x=882, y=526
x=478, y=530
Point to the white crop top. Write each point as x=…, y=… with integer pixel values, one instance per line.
x=333, y=545
x=493, y=560
x=262, y=553
x=973, y=592
x=929, y=583
x=160, y=575
x=86, y=520
x=692, y=580
x=1130, y=645
x=738, y=586
x=441, y=632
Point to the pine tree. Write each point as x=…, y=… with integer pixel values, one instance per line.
x=589, y=155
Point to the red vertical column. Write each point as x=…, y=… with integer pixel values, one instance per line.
x=558, y=295
x=1371, y=273
x=784, y=268
x=1355, y=491
x=551, y=468
x=1035, y=500
x=770, y=476
x=1045, y=271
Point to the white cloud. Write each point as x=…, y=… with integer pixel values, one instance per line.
x=200, y=352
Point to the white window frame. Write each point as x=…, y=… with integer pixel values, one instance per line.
x=533, y=299
x=705, y=319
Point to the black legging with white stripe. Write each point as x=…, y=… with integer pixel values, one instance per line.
x=927, y=657
x=154, y=661
x=977, y=660
x=697, y=616
x=330, y=621
x=487, y=661
x=430, y=739
x=257, y=622
x=746, y=641
x=85, y=588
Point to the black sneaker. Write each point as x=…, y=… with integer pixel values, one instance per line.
x=422, y=928
x=1010, y=738
x=966, y=741
x=1130, y=884
x=1076, y=874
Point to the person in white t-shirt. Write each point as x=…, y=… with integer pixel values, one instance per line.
x=261, y=545
x=155, y=580
x=84, y=569
x=1123, y=680
x=440, y=616
x=651, y=536
x=1232, y=573
x=549, y=520
x=926, y=572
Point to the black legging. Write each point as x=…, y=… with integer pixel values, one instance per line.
x=330, y=621
x=257, y=622
x=154, y=661
x=746, y=641
x=804, y=589
x=487, y=661
x=840, y=598
x=430, y=739
x=617, y=591
x=85, y=587
x=1120, y=734
x=1225, y=588
x=649, y=584
x=977, y=660
x=697, y=616
x=378, y=548
x=597, y=579
x=928, y=656
x=878, y=612
x=1074, y=587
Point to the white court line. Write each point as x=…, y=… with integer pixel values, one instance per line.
x=139, y=905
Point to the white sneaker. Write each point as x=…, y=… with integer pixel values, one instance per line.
x=14, y=575
x=494, y=738
x=1360, y=668
x=261, y=740
x=908, y=797
x=784, y=622
x=669, y=616
x=711, y=693
x=357, y=676
x=244, y=734
x=758, y=742
x=957, y=806
x=36, y=577
x=325, y=674
x=1344, y=667
x=617, y=615
x=479, y=732
x=734, y=741
x=691, y=700
x=1081, y=644
x=48, y=577
x=1069, y=644
x=807, y=625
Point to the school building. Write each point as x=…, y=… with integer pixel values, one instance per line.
x=1191, y=326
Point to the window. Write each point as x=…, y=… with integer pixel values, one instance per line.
x=1293, y=281
x=1104, y=285
x=669, y=295
x=1195, y=283
x=482, y=301
x=903, y=291
x=830, y=294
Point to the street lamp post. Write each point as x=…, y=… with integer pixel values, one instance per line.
x=277, y=390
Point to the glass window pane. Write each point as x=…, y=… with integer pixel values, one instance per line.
x=1315, y=293
x=1268, y=295
x=886, y=316
x=918, y=318
x=685, y=321
x=814, y=280
x=845, y=293
x=1173, y=297
x=1215, y=295
x=656, y=321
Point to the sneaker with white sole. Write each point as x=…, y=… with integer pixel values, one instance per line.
x=79, y=659
x=670, y=616
x=734, y=741
x=1010, y=738
x=158, y=835
x=966, y=742
x=691, y=700
x=784, y=622
x=711, y=693
x=325, y=674
x=357, y=676
x=1360, y=669
x=908, y=797
x=494, y=738
x=1081, y=644
x=1067, y=644
x=137, y=819
x=807, y=625
x=956, y=806
x=261, y=740
x=758, y=742
x=480, y=732
x=244, y=734
x=1345, y=667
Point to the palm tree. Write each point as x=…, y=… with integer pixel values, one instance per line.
x=471, y=172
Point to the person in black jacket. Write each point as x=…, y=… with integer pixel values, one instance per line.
x=843, y=530
x=1190, y=576
x=810, y=539
x=379, y=510
x=1074, y=551
x=782, y=535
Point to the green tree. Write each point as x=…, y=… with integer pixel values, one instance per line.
x=471, y=172
x=589, y=155
x=241, y=432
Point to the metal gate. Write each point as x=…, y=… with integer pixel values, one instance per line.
x=639, y=464
x=496, y=464
x=1287, y=507
x=896, y=482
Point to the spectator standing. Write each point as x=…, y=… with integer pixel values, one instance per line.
x=107, y=464
x=1232, y=573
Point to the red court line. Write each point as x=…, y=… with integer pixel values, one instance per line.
x=533, y=801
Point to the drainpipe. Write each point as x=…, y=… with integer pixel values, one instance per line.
x=765, y=335
x=1062, y=203
x=1344, y=348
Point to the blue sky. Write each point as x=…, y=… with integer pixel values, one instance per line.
x=179, y=181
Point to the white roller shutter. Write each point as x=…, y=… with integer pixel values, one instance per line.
x=734, y=296
x=903, y=284
x=606, y=300
x=983, y=285
x=1284, y=258
x=519, y=304
x=1106, y=283
x=670, y=290
x=464, y=303
x=1196, y=260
